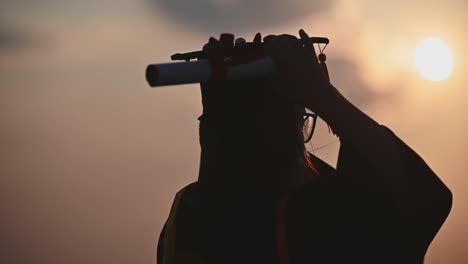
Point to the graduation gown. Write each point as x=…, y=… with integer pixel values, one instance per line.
x=338, y=218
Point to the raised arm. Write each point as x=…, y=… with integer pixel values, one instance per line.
x=421, y=198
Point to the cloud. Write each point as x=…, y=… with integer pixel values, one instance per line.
x=226, y=15
x=12, y=40
x=15, y=40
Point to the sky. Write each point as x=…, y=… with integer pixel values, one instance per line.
x=91, y=156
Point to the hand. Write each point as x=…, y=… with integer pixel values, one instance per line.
x=299, y=76
x=238, y=98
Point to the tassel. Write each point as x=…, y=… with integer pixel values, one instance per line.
x=322, y=58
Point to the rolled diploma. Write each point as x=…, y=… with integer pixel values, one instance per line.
x=200, y=71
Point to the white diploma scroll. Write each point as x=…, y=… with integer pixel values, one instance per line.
x=200, y=71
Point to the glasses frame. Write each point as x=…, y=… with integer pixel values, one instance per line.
x=305, y=116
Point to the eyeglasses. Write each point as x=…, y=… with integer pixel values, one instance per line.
x=309, y=120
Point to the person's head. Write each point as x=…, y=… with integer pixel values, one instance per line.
x=247, y=129
x=250, y=116
x=246, y=125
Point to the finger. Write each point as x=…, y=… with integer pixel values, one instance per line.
x=226, y=40
x=212, y=42
x=270, y=41
x=274, y=44
x=308, y=43
x=270, y=44
x=239, y=42
x=269, y=38
x=303, y=35
x=257, y=39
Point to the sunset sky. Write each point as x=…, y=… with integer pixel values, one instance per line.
x=91, y=156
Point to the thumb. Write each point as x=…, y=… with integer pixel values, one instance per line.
x=257, y=39
x=308, y=43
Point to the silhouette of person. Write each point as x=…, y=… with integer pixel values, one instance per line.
x=261, y=198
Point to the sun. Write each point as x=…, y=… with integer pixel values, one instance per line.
x=433, y=59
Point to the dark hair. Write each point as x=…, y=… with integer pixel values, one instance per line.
x=246, y=128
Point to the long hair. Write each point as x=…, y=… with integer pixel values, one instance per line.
x=249, y=136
